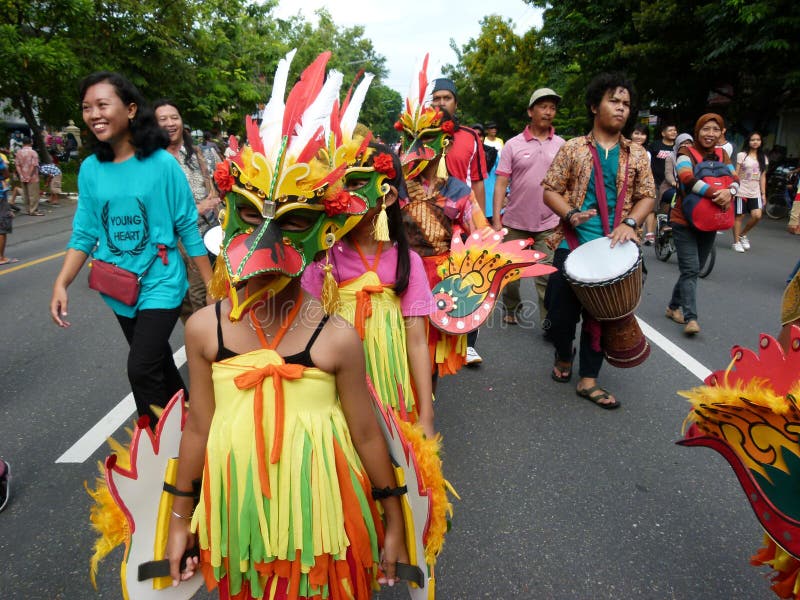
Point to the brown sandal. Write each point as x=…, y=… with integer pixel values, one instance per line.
x=560, y=373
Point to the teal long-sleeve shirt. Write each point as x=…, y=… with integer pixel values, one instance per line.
x=125, y=210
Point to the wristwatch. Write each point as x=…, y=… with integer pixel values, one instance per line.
x=630, y=222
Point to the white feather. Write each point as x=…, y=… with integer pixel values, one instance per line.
x=272, y=119
x=317, y=114
x=350, y=117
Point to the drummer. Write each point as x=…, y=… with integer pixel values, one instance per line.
x=570, y=190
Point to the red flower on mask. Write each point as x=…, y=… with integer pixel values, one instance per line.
x=337, y=204
x=223, y=177
x=383, y=163
x=448, y=127
x=398, y=125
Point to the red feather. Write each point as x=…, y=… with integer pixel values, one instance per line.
x=233, y=144
x=423, y=79
x=253, y=137
x=336, y=126
x=350, y=91
x=365, y=143
x=314, y=144
x=334, y=175
x=304, y=92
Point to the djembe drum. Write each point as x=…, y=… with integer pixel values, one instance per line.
x=608, y=283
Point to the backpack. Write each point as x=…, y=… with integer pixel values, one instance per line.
x=491, y=156
x=700, y=212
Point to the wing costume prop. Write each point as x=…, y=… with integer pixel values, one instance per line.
x=749, y=414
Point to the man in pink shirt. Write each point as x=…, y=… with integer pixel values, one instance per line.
x=523, y=164
x=26, y=162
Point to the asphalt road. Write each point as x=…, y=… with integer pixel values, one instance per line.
x=559, y=499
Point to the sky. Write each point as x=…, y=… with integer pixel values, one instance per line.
x=404, y=30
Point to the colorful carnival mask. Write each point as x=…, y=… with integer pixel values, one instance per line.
x=426, y=130
x=284, y=196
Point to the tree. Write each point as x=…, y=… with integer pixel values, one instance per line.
x=214, y=58
x=352, y=53
x=36, y=43
x=678, y=52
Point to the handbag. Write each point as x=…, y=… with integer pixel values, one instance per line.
x=118, y=283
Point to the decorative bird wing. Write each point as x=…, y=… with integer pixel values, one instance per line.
x=475, y=273
x=133, y=508
x=749, y=414
x=426, y=507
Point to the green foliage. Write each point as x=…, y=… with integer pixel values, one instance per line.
x=214, y=58
x=69, y=177
x=678, y=52
x=493, y=76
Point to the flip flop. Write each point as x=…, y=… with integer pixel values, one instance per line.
x=36, y=214
x=591, y=396
x=567, y=371
x=9, y=261
x=510, y=319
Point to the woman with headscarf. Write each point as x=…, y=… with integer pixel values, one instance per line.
x=692, y=244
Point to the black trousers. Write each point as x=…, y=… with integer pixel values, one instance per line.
x=152, y=372
x=564, y=312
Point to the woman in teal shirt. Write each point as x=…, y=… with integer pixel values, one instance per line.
x=134, y=204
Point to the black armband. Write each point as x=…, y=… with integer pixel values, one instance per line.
x=194, y=494
x=387, y=492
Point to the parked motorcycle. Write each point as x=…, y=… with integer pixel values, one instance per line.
x=781, y=183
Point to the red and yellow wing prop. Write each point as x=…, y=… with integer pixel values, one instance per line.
x=749, y=414
x=475, y=273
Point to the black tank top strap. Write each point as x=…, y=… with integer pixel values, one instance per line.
x=222, y=351
x=304, y=356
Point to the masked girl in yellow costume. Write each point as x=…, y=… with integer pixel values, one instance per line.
x=384, y=291
x=281, y=426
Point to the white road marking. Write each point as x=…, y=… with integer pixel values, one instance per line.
x=682, y=357
x=105, y=427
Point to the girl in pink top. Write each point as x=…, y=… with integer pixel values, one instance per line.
x=384, y=293
x=751, y=167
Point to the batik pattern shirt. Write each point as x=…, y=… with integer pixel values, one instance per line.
x=573, y=168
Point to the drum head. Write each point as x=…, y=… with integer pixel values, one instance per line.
x=213, y=239
x=597, y=261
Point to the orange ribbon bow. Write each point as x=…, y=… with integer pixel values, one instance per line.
x=255, y=379
x=364, y=306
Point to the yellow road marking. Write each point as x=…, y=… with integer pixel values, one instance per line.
x=31, y=263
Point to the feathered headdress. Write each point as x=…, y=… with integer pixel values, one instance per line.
x=293, y=161
x=424, y=127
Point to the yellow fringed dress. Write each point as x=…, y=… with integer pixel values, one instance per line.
x=374, y=310
x=286, y=508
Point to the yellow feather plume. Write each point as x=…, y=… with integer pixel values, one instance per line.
x=430, y=469
x=106, y=517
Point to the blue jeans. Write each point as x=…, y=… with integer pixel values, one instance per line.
x=693, y=248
